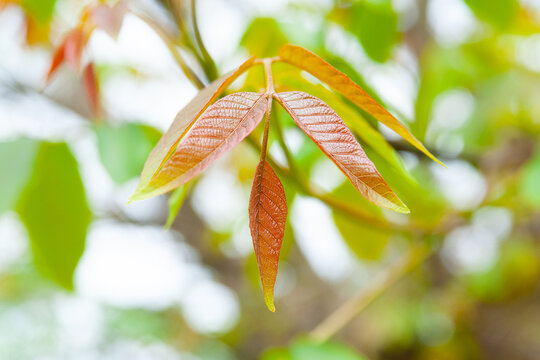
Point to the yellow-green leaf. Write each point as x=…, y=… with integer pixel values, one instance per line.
x=306, y=60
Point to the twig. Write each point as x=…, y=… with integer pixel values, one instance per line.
x=354, y=306
x=190, y=74
x=209, y=65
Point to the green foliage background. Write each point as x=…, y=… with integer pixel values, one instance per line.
x=442, y=309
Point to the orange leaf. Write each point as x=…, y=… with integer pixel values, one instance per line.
x=267, y=216
x=73, y=48
x=109, y=18
x=57, y=60
x=183, y=122
x=91, y=87
x=308, y=61
x=70, y=50
x=222, y=126
x=36, y=32
x=332, y=136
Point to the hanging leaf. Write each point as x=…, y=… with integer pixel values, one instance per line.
x=183, y=122
x=267, y=217
x=90, y=85
x=330, y=133
x=54, y=210
x=16, y=161
x=501, y=13
x=222, y=126
x=306, y=60
x=124, y=148
x=175, y=204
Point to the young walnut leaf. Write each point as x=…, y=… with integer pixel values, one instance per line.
x=70, y=51
x=222, y=126
x=267, y=217
x=182, y=123
x=109, y=18
x=332, y=136
x=90, y=85
x=313, y=64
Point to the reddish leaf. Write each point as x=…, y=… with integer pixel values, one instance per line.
x=306, y=60
x=109, y=18
x=70, y=50
x=73, y=48
x=57, y=60
x=267, y=217
x=330, y=133
x=183, y=122
x=90, y=85
x=225, y=124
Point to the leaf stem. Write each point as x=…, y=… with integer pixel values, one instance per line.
x=190, y=74
x=209, y=65
x=288, y=155
x=354, y=306
x=269, y=92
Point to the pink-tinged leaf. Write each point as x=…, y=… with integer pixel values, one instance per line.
x=73, y=47
x=57, y=60
x=332, y=136
x=313, y=64
x=109, y=18
x=90, y=85
x=183, y=122
x=222, y=126
x=267, y=217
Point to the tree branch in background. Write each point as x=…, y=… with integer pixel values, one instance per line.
x=355, y=305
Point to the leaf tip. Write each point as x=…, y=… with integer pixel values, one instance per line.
x=269, y=300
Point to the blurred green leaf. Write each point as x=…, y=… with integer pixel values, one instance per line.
x=530, y=181
x=16, y=162
x=137, y=324
x=41, y=10
x=516, y=273
x=311, y=350
x=500, y=13
x=365, y=241
x=123, y=149
x=175, y=203
x=54, y=210
x=263, y=37
x=305, y=349
x=374, y=23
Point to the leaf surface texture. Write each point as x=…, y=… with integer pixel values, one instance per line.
x=332, y=136
x=267, y=218
x=222, y=126
x=308, y=61
x=183, y=122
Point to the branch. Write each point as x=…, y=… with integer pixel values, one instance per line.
x=190, y=74
x=354, y=306
x=209, y=65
